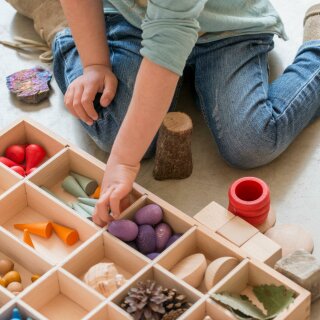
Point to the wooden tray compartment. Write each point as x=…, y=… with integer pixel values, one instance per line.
x=8, y=178
x=27, y=132
x=5, y=297
x=250, y=273
x=56, y=170
x=180, y=223
x=25, y=260
x=199, y=241
x=25, y=311
x=208, y=307
x=165, y=279
x=25, y=204
x=59, y=296
x=106, y=248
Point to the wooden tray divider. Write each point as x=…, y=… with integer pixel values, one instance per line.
x=8, y=178
x=25, y=310
x=67, y=298
x=106, y=248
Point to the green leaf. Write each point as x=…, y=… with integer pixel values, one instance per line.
x=274, y=298
x=239, y=303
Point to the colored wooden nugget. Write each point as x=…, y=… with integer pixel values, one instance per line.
x=30, y=85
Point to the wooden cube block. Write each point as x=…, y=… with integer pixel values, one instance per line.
x=214, y=216
x=263, y=249
x=238, y=231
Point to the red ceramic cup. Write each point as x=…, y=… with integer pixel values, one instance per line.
x=249, y=198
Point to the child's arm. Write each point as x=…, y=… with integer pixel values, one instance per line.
x=170, y=31
x=86, y=21
x=150, y=102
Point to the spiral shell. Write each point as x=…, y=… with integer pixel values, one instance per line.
x=104, y=278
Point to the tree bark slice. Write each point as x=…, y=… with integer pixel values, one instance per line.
x=173, y=156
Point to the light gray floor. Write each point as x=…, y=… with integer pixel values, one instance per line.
x=293, y=178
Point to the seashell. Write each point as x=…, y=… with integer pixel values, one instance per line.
x=104, y=278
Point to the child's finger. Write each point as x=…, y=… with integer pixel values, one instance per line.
x=108, y=93
x=77, y=106
x=102, y=207
x=68, y=100
x=115, y=199
x=97, y=220
x=87, y=99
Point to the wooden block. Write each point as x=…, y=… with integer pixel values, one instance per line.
x=263, y=249
x=238, y=231
x=213, y=216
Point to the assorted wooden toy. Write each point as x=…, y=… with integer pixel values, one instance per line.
x=291, y=237
x=146, y=233
x=173, y=158
x=30, y=85
x=104, y=278
x=207, y=245
x=11, y=279
x=217, y=270
x=191, y=269
x=44, y=229
x=249, y=198
x=23, y=159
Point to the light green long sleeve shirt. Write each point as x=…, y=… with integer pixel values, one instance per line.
x=171, y=28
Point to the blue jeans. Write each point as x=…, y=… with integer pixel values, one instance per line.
x=251, y=120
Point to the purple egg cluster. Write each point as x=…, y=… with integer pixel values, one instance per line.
x=147, y=233
x=30, y=85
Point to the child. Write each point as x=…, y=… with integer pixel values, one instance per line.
x=121, y=80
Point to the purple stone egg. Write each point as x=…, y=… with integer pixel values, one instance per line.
x=153, y=255
x=150, y=214
x=146, y=239
x=163, y=234
x=172, y=239
x=125, y=230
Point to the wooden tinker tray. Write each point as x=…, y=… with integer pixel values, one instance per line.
x=61, y=294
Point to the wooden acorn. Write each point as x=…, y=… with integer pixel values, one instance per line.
x=71, y=185
x=81, y=212
x=88, y=185
x=67, y=235
x=42, y=229
x=173, y=155
x=27, y=238
x=34, y=155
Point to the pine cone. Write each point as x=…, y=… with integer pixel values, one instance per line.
x=145, y=302
x=175, y=300
x=174, y=314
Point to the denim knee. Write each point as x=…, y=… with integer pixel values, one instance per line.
x=247, y=151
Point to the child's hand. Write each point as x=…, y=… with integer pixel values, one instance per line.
x=116, y=186
x=82, y=91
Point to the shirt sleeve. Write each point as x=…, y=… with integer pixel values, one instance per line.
x=170, y=31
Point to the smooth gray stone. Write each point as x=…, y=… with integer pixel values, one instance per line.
x=304, y=269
